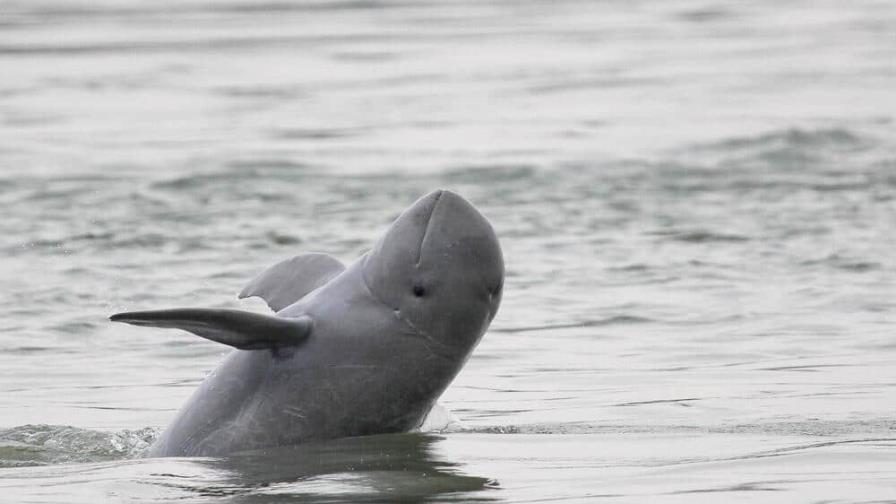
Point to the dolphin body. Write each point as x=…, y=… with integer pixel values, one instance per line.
x=350, y=351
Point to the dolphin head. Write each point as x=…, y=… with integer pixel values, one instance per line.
x=440, y=268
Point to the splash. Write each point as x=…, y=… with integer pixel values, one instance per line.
x=439, y=420
x=30, y=445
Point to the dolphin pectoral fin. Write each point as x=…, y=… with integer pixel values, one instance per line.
x=288, y=281
x=239, y=329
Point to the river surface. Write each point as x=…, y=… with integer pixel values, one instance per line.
x=696, y=201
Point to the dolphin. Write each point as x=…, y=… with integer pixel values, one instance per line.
x=350, y=351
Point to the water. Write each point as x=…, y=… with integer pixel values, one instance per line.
x=696, y=203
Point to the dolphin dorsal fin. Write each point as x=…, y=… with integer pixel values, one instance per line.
x=239, y=329
x=288, y=281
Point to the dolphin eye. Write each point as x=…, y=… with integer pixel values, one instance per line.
x=418, y=290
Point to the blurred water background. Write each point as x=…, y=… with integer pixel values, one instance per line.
x=696, y=202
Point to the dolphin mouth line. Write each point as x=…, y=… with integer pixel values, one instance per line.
x=436, y=347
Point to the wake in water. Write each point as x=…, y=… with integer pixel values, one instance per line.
x=30, y=445
x=33, y=445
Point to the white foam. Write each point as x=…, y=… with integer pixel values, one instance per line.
x=440, y=419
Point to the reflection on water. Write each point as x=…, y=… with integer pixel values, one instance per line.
x=403, y=467
x=400, y=467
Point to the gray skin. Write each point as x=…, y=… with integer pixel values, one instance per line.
x=373, y=346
